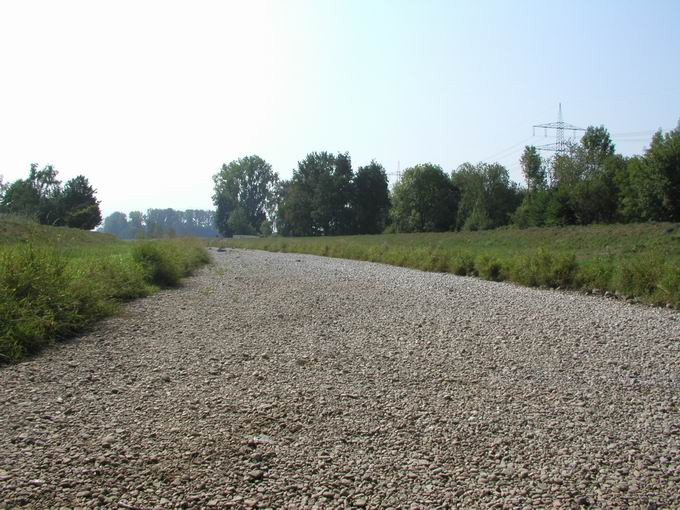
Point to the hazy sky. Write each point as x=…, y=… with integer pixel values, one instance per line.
x=149, y=98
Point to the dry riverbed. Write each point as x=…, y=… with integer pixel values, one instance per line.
x=282, y=380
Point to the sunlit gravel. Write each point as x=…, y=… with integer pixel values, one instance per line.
x=284, y=380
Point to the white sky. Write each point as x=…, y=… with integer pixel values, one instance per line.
x=148, y=98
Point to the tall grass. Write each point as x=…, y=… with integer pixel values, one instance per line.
x=49, y=293
x=639, y=261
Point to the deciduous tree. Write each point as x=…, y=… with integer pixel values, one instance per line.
x=371, y=200
x=246, y=184
x=533, y=169
x=424, y=200
x=79, y=205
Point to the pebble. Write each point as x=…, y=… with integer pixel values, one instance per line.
x=264, y=382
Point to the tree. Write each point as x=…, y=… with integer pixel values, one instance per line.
x=35, y=196
x=664, y=157
x=532, y=211
x=3, y=188
x=49, y=190
x=342, y=195
x=239, y=222
x=584, y=187
x=158, y=223
x=266, y=228
x=597, y=144
x=225, y=204
x=595, y=197
x=78, y=204
x=41, y=196
x=560, y=211
x=487, y=196
x=424, y=200
x=246, y=184
x=371, y=200
x=650, y=184
x=294, y=214
x=136, y=228
x=533, y=169
x=318, y=198
x=116, y=224
x=21, y=198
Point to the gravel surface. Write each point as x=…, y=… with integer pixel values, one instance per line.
x=283, y=380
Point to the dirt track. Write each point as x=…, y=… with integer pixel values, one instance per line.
x=273, y=380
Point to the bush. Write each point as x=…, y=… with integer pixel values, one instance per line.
x=544, y=269
x=46, y=296
x=489, y=268
x=639, y=276
x=668, y=288
x=117, y=277
x=161, y=263
x=192, y=253
x=463, y=264
x=38, y=304
x=596, y=274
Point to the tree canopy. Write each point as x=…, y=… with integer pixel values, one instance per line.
x=157, y=223
x=42, y=198
x=533, y=169
x=318, y=198
x=487, y=196
x=244, y=189
x=371, y=200
x=425, y=200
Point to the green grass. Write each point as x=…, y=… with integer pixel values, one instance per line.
x=637, y=261
x=55, y=281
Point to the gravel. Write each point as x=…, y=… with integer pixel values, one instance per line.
x=290, y=381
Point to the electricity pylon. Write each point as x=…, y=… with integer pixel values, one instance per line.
x=560, y=145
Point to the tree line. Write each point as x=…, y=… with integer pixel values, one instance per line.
x=42, y=197
x=160, y=223
x=591, y=183
x=588, y=183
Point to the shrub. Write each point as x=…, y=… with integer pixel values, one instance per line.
x=192, y=254
x=668, y=288
x=36, y=301
x=463, y=264
x=639, y=275
x=438, y=262
x=544, y=269
x=46, y=296
x=596, y=274
x=161, y=263
x=117, y=277
x=489, y=268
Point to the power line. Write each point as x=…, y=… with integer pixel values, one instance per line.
x=522, y=142
x=635, y=133
x=560, y=146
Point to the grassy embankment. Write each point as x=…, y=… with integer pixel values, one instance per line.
x=639, y=261
x=55, y=281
